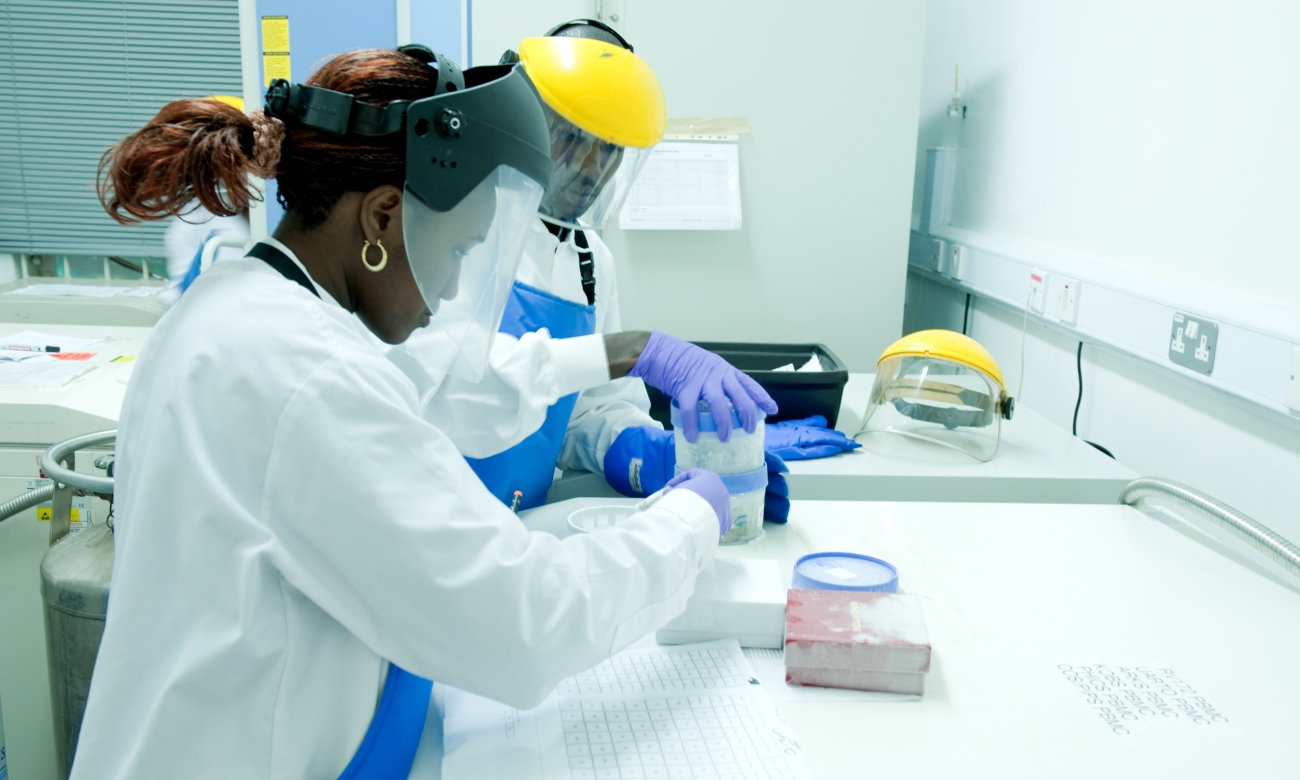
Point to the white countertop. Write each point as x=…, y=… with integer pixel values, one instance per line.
x=1012, y=593
x=44, y=415
x=1037, y=462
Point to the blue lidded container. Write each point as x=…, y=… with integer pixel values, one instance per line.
x=844, y=571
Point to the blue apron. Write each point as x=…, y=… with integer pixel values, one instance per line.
x=388, y=748
x=529, y=466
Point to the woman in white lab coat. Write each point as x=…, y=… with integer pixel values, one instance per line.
x=296, y=545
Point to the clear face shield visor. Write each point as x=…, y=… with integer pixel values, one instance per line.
x=475, y=163
x=937, y=401
x=592, y=177
x=464, y=261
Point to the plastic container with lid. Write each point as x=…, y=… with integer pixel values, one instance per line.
x=745, y=493
x=844, y=571
x=742, y=453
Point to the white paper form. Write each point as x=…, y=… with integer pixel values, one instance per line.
x=39, y=373
x=32, y=338
x=686, y=185
x=688, y=711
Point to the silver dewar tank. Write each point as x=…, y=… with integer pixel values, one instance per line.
x=74, y=584
x=75, y=575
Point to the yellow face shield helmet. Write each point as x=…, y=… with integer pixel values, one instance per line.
x=605, y=108
x=941, y=387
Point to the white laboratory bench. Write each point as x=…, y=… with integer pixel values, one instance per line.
x=1016, y=597
x=1037, y=462
x=119, y=310
x=31, y=419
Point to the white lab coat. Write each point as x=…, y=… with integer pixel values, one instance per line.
x=286, y=521
x=526, y=376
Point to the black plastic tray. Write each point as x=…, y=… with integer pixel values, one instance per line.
x=798, y=395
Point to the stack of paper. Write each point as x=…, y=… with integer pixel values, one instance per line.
x=26, y=359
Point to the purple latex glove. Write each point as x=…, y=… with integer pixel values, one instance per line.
x=688, y=373
x=709, y=487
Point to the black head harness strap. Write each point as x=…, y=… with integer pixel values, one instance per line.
x=341, y=113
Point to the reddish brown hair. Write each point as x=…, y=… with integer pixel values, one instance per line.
x=205, y=150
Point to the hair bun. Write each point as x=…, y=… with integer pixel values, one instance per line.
x=268, y=139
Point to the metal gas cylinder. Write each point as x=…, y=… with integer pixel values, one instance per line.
x=74, y=583
x=75, y=575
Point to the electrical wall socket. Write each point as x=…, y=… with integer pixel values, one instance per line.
x=1038, y=291
x=957, y=262
x=1194, y=342
x=938, y=252
x=1293, y=385
x=1065, y=299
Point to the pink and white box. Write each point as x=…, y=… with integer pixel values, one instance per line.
x=856, y=639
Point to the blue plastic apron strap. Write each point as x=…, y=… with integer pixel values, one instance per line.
x=388, y=748
x=529, y=466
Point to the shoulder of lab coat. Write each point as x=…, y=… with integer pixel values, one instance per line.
x=525, y=376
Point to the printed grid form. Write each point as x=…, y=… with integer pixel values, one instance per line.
x=718, y=736
x=690, y=711
x=682, y=183
x=645, y=672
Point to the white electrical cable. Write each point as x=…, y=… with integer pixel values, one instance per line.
x=1024, y=330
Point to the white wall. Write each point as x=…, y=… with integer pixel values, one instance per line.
x=1155, y=136
x=831, y=98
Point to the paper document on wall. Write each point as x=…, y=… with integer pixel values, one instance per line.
x=686, y=186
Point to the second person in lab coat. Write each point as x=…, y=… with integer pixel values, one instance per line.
x=605, y=109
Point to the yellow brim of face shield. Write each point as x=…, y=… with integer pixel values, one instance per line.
x=602, y=88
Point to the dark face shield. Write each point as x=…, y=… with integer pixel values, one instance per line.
x=477, y=160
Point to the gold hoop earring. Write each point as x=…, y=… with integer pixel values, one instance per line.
x=383, y=257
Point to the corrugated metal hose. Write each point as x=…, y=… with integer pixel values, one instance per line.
x=26, y=501
x=1254, y=533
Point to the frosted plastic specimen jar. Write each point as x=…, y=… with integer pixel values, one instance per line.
x=743, y=453
x=746, y=517
x=745, y=494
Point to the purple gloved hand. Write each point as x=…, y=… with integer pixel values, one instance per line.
x=709, y=487
x=688, y=373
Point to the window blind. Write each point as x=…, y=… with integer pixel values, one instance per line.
x=75, y=77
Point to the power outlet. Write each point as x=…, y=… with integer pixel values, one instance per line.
x=1038, y=291
x=938, y=255
x=1065, y=304
x=957, y=262
x=1293, y=386
x=1193, y=342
